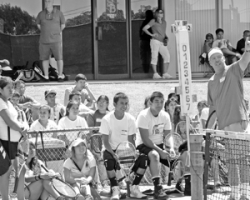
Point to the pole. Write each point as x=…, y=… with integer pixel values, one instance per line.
x=196, y=166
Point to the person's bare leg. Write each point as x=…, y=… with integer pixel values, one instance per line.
x=154, y=68
x=35, y=190
x=46, y=68
x=50, y=189
x=165, y=68
x=154, y=163
x=60, y=67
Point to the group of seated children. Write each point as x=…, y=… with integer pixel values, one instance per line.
x=116, y=126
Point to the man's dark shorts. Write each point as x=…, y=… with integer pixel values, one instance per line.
x=46, y=50
x=143, y=149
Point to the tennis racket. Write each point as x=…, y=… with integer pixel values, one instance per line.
x=96, y=145
x=171, y=142
x=212, y=121
x=126, y=153
x=61, y=187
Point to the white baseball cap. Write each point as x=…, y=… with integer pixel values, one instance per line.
x=76, y=142
x=213, y=51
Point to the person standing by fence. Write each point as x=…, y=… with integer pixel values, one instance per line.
x=51, y=23
x=226, y=97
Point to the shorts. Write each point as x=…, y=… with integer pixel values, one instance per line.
x=13, y=148
x=143, y=149
x=156, y=48
x=46, y=50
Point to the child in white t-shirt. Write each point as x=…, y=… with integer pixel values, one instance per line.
x=202, y=116
x=44, y=123
x=80, y=168
x=72, y=121
x=118, y=126
x=84, y=111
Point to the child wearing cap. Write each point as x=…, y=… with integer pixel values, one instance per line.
x=43, y=122
x=80, y=169
x=82, y=87
x=57, y=111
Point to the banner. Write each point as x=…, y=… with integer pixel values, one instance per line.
x=111, y=8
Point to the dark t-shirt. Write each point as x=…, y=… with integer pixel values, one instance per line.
x=94, y=119
x=240, y=45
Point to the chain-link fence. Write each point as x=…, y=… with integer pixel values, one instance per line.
x=227, y=165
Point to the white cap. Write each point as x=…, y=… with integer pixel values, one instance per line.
x=76, y=142
x=213, y=51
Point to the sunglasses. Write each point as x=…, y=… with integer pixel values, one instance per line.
x=160, y=12
x=49, y=16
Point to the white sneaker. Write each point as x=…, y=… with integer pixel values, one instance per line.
x=115, y=193
x=166, y=76
x=122, y=184
x=136, y=193
x=106, y=187
x=156, y=76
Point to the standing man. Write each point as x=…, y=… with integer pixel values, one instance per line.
x=51, y=23
x=226, y=96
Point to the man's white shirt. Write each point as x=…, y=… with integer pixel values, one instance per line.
x=155, y=125
x=117, y=130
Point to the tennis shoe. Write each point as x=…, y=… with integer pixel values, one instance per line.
x=159, y=193
x=136, y=193
x=166, y=76
x=115, y=193
x=122, y=184
x=106, y=186
x=156, y=76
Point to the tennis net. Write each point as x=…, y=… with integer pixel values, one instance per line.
x=227, y=165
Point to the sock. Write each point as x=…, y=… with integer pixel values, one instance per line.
x=113, y=182
x=46, y=77
x=137, y=179
x=156, y=181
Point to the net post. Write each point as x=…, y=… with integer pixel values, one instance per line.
x=207, y=158
x=196, y=166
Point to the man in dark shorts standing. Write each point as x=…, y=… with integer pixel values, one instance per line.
x=154, y=123
x=51, y=23
x=226, y=97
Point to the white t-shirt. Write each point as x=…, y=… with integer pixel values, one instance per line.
x=118, y=130
x=204, y=116
x=37, y=126
x=155, y=125
x=14, y=135
x=66, y=123
x=87, y=165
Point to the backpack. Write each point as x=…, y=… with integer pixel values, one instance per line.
x=5, y=162
x=38, y=68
